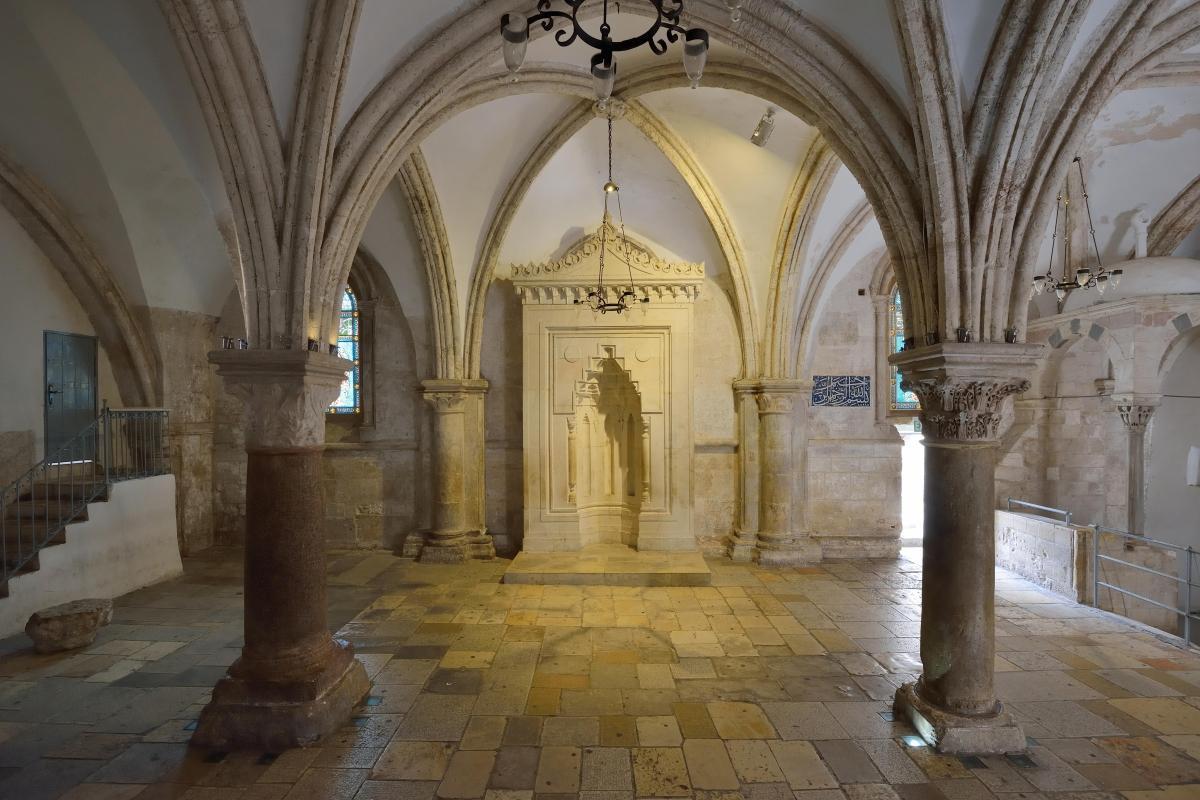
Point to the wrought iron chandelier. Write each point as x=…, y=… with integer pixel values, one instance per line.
x=663, y=31
x=1085, y=278
x=598, y=298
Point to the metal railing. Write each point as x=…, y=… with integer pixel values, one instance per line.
x=119, y=445
x=1185, y=583
x=1066, y=515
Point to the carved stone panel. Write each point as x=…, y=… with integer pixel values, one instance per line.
x=653, y=342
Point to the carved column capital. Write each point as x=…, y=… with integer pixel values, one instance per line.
x=777, y=396
x=962, y=386
x=286, y=393
x=449, y=396
x=1135, y=416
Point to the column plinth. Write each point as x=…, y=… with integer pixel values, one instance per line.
x=962, y=389
x=293, y=683
x=458, y=531
x=781, y=540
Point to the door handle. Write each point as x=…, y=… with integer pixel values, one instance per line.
x=50, y=392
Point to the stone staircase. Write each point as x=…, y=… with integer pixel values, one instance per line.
x=39, y=516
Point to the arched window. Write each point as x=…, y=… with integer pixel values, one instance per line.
x=898, y=399
x=349, y=399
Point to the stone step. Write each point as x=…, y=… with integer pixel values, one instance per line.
x=44, y=510
x=610, y=565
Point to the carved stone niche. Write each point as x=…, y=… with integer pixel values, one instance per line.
x=608, y=469
x=652, y=344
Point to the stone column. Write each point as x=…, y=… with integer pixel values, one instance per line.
x=459, y=531
x=744, y=537
x=1136, y=416
x=883, y=400
x=962, y=388
x=781, y=540
x=293, y=683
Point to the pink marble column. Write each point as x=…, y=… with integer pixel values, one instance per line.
x=293, y=683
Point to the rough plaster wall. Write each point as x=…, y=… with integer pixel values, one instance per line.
x=717, y=359
x=500, y=363
x=1173, y=507
x=183, y=340
x=1068, y=448
x=375, y=474
x=851, y=464
x=34, y=299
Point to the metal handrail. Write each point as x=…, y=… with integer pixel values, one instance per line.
x=1187, y=581
x=119, y=445
x=1066, y=515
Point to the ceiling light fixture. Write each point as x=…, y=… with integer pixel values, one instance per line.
x=1084, y=278
x=623, y=297
x=663, y=31
x=764, y=128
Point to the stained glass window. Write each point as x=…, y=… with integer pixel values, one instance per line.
x=349, y=399
x=900, y=400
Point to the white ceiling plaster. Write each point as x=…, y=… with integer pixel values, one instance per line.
x=1143, y=149
x=866, y=27
x=473, y=157
x=566, y=201
x=389, y=31
x=391, y=239
x=181, y=259
x=753, y=182
x=280, y=28
x=971, y=25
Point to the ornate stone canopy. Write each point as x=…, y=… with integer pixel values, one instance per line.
x=572, y=276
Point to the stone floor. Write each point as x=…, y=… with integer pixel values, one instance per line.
x=768, y=684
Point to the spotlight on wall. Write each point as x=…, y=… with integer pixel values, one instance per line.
x=762, y=131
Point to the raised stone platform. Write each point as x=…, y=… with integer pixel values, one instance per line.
x=610, y=565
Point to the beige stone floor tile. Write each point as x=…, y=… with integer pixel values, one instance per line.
x=467, y=775
x=1165, y=715
x=483, y=733
x=754, y=761
x=709, y=766
x=661, y=731
x=736, y=720
x=558, y=770
x=1188, y=792
x=660, y=772
x=606, y=769
x=413, y=761
x=1152, y=759
x=467, y=659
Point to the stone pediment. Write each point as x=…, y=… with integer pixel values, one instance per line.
x=571, y=277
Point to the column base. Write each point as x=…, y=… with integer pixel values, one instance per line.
x=740, y=546
x=442, y=549
x=272, y=716
x=803, y=552
x=481, y=546
x=955, y=734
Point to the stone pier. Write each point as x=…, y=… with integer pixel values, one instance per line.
x=781, y=539
x=962, y=388
x=293, y=683
x=459, y=532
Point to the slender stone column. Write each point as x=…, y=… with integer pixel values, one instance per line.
x=1136, y=417
x=962, y=388
x=881, y=303
x=744, y=537
x=458, y=531
x=293, y=683
x=781, y=540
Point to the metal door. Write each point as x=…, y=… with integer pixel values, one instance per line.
x=70, y=393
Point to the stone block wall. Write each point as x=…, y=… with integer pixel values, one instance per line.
x=1060, y=558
